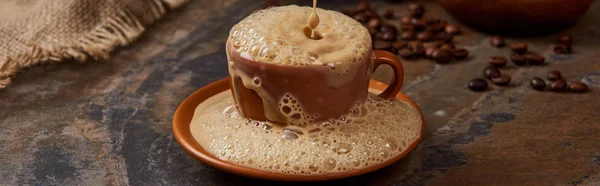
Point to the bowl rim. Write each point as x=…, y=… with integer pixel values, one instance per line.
x=181, y=131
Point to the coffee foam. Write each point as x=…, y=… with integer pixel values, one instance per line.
x=277, y=35
x=370, y=134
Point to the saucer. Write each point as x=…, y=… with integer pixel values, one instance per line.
x=185, y=112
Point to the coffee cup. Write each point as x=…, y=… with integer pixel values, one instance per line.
x=281, y=75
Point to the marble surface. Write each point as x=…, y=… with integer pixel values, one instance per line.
x=109, y=122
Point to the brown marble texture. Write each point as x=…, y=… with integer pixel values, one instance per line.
x=109, y=122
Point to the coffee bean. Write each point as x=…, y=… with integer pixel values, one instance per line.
x=429, y=51
x=477, y=84
x=442, y=56
x=418, y=24
x=501, y=80
x=497, y=41
x=558, y=85
x=562, y=49
x=429, y=20
x=578, y=87
x=490, y=72
x=435, y=28
x=371, y=14
x=374, y=23
x=460, y=53
x=554, y=75
x=407, y=35
x=448, y=46
x=406, y=53
x=406, y=19
x=538, y=83
x=444, y=37
x=388, y=28
x=382, y=45
x=534, y=59
x=519, y=47
x=400, y=44
x=419, y=52
x=360, y=17
x=452, y=29
x=416, y=10
x=388, y=13
x=566, y=39
x=417, y=48
x=425, y=36
x=407, y=27
x=517, y=59
x=373, y=31
x=364, y=5
x=498, y=61
x=388, y=36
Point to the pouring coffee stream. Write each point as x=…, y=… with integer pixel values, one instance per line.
x=313, y=22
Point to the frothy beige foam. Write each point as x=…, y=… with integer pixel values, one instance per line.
x=279, y=35
x=370, y=134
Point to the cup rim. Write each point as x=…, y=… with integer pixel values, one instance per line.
x=181, y=130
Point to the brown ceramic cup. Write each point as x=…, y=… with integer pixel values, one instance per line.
x=307, y=84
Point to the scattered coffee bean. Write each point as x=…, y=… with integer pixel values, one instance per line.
x=498, y=61
x=452, y=29
x=360, y=17
x=429, y=51
x=418, y=24
x=497, y=41
x=388, y=13
x=444, y=37
x=534, y=59
x=517, y=59
x=407, y=35
x=417, y=48
x=519, y=47
x=578, y=87
x=558, y=85
x=406, y=53
x=435, y=27
x=442, y=56
x=490, y=72
x=374, y=23
x=425, y=36
x=562, y=49
x=429, y=20
x=373, y=31
x=448, y=46
x=566, y=39
x=460, y=53
x=406, y=20
x=400, y=44
x=364, y=5
x=388, y=28
x=477, y=84
x=501, y=80
x=538, y=83
x=554, y=75
x=382, y=45
x=416, y=10
x=407, y=27
x=388, y=36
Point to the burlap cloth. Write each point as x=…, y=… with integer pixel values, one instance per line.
x=39, y=31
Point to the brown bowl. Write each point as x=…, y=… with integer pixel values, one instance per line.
x=517, y=17
x=185, y=112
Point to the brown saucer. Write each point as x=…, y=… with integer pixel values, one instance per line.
x=185, y=112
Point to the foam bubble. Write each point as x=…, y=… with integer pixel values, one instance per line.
x=276, y=35
x=359, y=139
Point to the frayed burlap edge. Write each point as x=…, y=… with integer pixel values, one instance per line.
x=118, y=31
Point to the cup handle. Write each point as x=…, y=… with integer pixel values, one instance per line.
x=385, y=57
